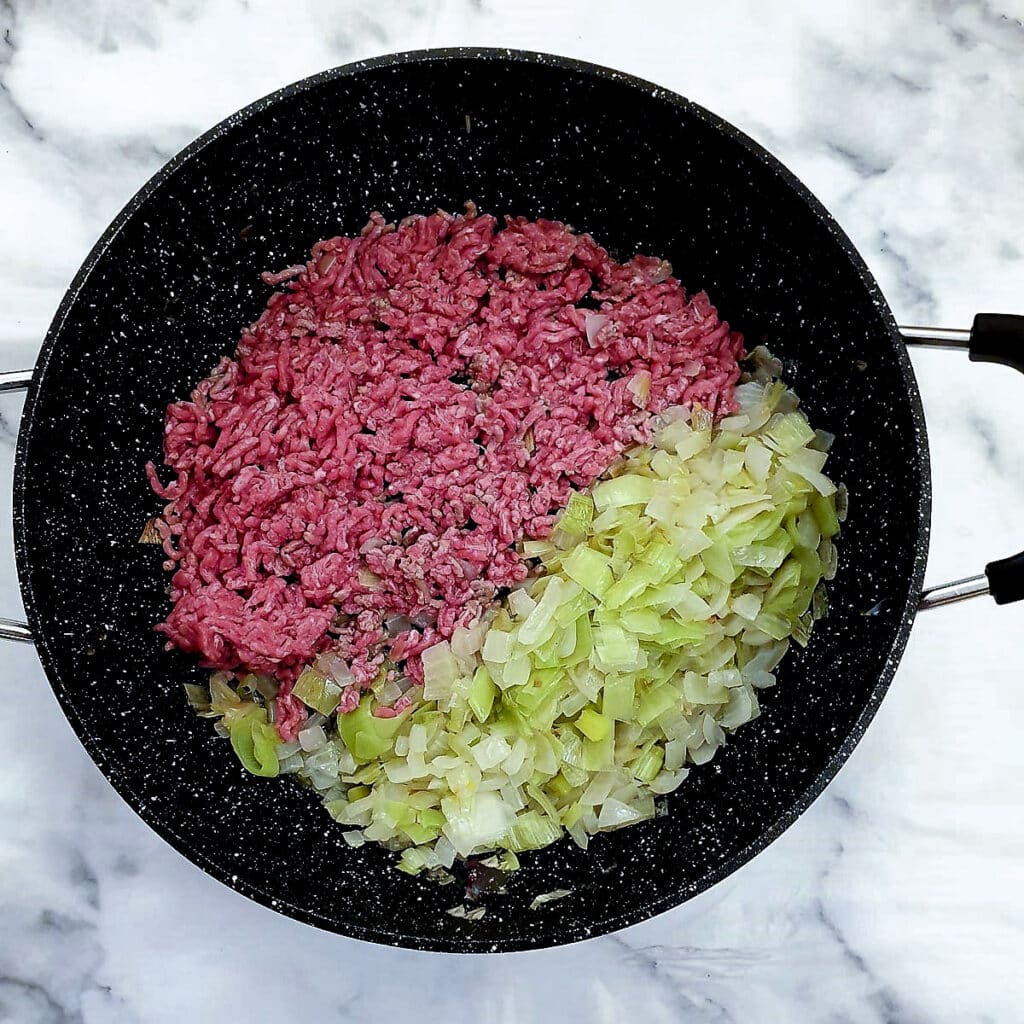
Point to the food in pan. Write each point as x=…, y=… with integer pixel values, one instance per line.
x=484, y=538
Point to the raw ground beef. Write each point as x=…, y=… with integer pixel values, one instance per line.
x=413, y=402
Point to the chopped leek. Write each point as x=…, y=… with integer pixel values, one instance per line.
x=255, y=741
x=366, y=736
x=481, y=694
x=593, y=725
x=665, y=600
x=317, y=691
x=590, y=569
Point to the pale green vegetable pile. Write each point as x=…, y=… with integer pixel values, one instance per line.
x=665, y=599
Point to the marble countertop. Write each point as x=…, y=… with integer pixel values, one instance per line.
x=899, y=896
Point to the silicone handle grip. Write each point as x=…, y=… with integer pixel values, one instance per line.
x=999, y=338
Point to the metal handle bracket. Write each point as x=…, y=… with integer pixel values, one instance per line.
x=15, y=380
x=13, y=629
x=993, y=338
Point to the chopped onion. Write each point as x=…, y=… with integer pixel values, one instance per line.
x=367, y=579
x=468, y=915
x=550, y=897
x=593, y=324
x=842, y=502
x=397, y=624
x=312, y=737
x=334, y=667
x=425, y=619
x=445, y=852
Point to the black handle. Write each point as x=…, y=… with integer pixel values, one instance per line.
x=999, y=338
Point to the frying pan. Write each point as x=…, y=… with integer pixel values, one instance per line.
x=163, y=296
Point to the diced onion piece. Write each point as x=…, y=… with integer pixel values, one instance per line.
x=550, y=897
x=312, y=737
x=440, y=671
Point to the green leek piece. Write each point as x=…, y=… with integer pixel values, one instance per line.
x=573, y=523
x=536, y=548
x=649, y=763
x=662, y=560
x=508, y=861
x=317, y=691
x=824, y=510
x=623, y=490
x=540, y=622
x=599, y=755
x=441, y=671
x=593, y=725
x=787, y=432
x=369, y=773
x=655, y=702
x=481, y=694
x=532, y=831
x=570, y=610
x=255, y=741
x=395, y=812
x=718, y=561
x=698, y=689
x=775, y=625
x=785, y=579
x=615, y=648
x=590, y=569
x=414, y=860
x=819, y=603
x=543, y=801
x=642, y=621
x=546, y=656
x=223, y=699
x=572, y=745
x=675, y=634
x=199, y=698
x=431, y=818
x=559, y=785
x=634, y=582
x=497, y=646
x=365, y=736
x=584, y=643
x=617, y=700
x=571, y=815
x=336, y=809
x=768, y=555
x=419, y=834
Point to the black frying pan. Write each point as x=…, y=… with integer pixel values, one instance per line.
x=165, y=293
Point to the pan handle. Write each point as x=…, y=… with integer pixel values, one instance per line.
x=12, y=629
x=993, y=338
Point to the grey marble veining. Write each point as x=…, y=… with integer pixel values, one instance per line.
x=898, y=895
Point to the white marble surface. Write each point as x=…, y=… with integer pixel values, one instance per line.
x=899, y=896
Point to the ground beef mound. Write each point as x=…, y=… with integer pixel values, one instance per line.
x=411, y=403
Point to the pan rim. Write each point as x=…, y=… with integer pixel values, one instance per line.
x=150, y=813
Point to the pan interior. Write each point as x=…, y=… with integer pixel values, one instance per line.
x=164, y=296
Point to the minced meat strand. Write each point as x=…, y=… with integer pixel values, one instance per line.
x=411, y=403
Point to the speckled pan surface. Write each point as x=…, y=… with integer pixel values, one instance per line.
x=164, y=295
